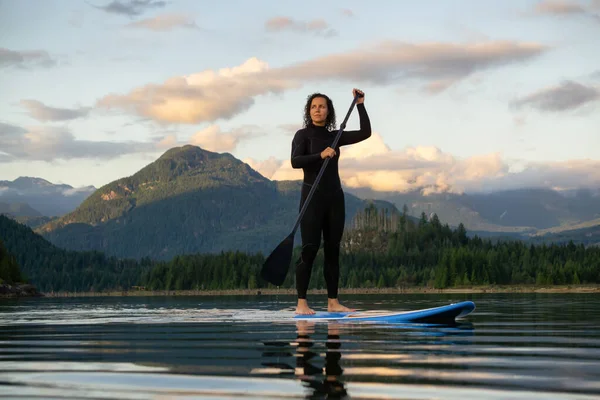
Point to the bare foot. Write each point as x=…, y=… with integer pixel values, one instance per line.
x=333, y=305
x=303, y=308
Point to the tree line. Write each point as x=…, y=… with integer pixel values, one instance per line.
x=379, y=249
x=412, y=253
x=9, y=268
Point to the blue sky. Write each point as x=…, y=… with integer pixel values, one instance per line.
x=462, y=95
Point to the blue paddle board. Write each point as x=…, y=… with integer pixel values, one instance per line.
x=443, y=314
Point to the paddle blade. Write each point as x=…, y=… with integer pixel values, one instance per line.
x=276, y=266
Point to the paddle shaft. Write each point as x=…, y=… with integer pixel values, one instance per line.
x=318, y=178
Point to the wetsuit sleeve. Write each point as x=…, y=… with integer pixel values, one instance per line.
x=300, y=156
x=351, y=137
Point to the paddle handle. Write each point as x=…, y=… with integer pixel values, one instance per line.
x=318, y=178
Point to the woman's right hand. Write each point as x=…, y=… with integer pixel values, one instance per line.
x=328, y=152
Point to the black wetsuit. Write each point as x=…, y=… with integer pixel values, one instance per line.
x=326, y=210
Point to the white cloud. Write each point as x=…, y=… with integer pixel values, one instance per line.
x=50, y=143
x=285, y=172
x=25, y=59
x=167, y=142
x=213, y=139
x=202, y=97
x=372, y=164
x=78, y=190
x=568, y=8
x=391, y=60
x=563, y=97
x=266, y=167
x=373, y=146
x=318, y=27
x=211, y=95
x=165, y=22
x=557, y=7
x=42, y=112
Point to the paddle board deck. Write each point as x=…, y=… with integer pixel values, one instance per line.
x=442, y=314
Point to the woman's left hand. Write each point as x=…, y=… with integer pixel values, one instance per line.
x=361, y=99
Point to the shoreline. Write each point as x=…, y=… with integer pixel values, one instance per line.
x=342, y=291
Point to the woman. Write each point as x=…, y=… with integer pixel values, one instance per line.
x=326, y=210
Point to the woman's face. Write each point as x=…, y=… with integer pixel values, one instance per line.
x=318, y=111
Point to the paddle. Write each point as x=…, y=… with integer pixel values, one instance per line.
x=276, y=266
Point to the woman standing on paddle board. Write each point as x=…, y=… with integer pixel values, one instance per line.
x=326, y=211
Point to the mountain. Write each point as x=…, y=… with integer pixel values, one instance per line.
x=43, y=197
x=18, y=210
x=586, y=233
x=50, y=268
x=512, y=212
x=187, y=201
x=33, y=222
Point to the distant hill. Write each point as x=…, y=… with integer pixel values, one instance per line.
x=189, y=200
x=18, y=210
x=33, y=222
x=51, y=268
x=42, y=198
x=587, y=234
x=509, y=212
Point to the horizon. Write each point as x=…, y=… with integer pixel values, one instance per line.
x=594, y=190
x=481, y=98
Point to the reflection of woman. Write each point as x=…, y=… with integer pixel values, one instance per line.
x=333, y=355
x=307, y=372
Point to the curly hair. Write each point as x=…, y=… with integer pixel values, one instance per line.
x=330, y=121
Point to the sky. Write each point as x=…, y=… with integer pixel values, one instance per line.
x=463, y=96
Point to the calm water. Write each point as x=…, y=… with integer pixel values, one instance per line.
x=524, y=346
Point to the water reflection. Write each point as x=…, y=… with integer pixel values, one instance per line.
x=322, y=373
x=321, y=378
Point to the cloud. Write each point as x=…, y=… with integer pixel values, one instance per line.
x=211, y=95
x=50, y=143
x=289, y=129
x=79, y=190
x=438, y=86
x=266, y=167
x=568, y=8
x=318, y=27
x=519, y=120
x=553, y=7
x=42, y=112
x=8, y=130
x=167, y=142
x=202, y=97
x=76, y=19
x=166, y=22
x=564, y=97
x=388, y=61
x=566, y=175
x=372, y=164
x=25, y=59
x=213, y=139
x=131, y=8
x=424, y=168
x=347, y=12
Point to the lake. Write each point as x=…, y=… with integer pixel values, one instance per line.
x=517, y=346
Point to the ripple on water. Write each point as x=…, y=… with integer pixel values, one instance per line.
x=175, y=349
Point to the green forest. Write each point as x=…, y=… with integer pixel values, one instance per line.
x=404, y=254
x=52, y=269
x=10, y=272
x=379, y=249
